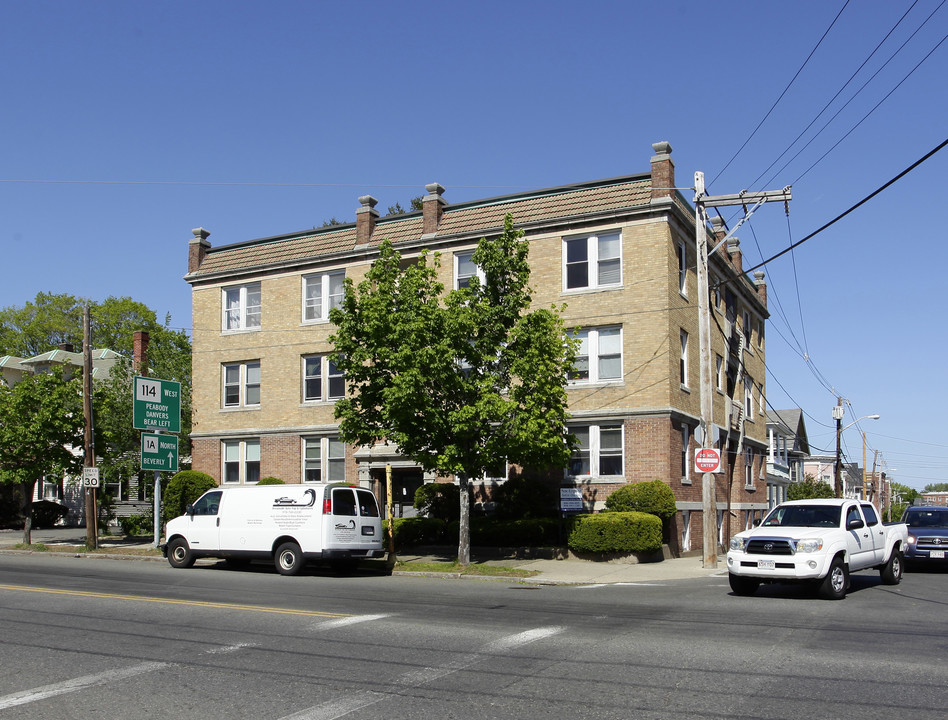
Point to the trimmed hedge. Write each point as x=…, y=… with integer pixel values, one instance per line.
x=616, y=532
x=651, y=496
x=485, y=532
x=270, y=481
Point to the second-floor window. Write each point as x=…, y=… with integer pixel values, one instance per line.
x=683, y=360
x=592, y=261
x=599, y=358
x=241, y=384
x=241, y=307
x=321, y=292
x=322, y=380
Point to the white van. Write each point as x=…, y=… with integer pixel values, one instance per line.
x=289, y=525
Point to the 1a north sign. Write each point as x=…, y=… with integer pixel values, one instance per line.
x=159, y=452
x=156, y=405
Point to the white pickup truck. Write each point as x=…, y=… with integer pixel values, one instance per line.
x=816, y=541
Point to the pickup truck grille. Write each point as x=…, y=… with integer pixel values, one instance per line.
x=765, y=546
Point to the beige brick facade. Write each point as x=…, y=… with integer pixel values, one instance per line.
x=647, y=401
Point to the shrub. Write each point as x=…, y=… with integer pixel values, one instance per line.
x=45, y=514
x=136, y=525
x=270, y=481
x=526, y=497
x=529, y=532
x=417, y=531
x=654, y=497
x=616, y=532
x=439, y=500
x=183, y=489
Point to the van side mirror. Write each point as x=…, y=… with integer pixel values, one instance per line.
x=189, y=510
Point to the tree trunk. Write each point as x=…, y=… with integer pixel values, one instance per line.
x=28, y=511
x=464, y=529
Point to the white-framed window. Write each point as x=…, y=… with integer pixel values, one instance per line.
x=761, y=401
x=592, y=261
x=324, y=459
x=683, y=360
x=241, y=384
x=241, y=461
x=682, y=269
x=598, y=452
x=760, y=333
x=749, y=467
x=321, y=292
x=685, y=453
x=748, y=330
x=599, y=358
x=686, y=530
x=322, y=380
x=719, y=373
x=749, y=397
x=465, y=269
x=241, y=307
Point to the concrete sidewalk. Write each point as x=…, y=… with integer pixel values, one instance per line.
x=570, y=571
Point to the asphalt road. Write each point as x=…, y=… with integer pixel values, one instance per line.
x=92, y=637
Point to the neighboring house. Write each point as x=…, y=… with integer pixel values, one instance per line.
x=788, y=449
x=66, y=491
x=620, y=253
x=933, y=498
x=823, y=467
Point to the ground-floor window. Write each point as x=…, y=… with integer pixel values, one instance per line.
x=241, y=459
x=598, y=452
x=324, y=459
x=685, y=530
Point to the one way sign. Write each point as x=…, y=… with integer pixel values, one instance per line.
x=159, y=452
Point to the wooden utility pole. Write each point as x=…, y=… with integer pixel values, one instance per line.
x=92, y=531
x=702, y=202
x=837, y=471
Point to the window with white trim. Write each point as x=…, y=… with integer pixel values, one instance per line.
x=324, y=459
x=321, y=292
x=241, y=461
x=719, y=373
x=761, y=401
x=592, y=261
x=748, y=330
x=685, y=454
x=682, y=269
x=322, y=379
x=749, y=397
x=598, y=452
x=241, y=308
x=241, y=385
x=599, y=357
x=749, y=467
x=465, y=269
x=683, y=360
x=760, y=333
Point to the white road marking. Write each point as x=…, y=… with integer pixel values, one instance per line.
x=68, y=686
x=334, y=709
x=343, y=622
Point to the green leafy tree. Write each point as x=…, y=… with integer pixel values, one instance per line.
x=936, y=487
x=459, y=382
x=40, y=423
x=808, y=488
x=183, y=489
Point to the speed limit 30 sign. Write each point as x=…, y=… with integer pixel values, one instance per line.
x=708, y=460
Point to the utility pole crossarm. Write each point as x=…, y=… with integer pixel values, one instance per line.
x=746, y=198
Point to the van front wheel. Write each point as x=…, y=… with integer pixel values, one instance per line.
x=179, y=553
x=289, y=559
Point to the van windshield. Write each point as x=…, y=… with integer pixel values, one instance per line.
x=804, y=516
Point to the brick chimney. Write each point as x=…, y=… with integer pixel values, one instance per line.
x=140, y=352
x=365, y=219
x=432, y=206
x=761, y=287
x=663, y=172
x=734, y=250
x=197, y=248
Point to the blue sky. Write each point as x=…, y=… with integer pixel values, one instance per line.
x=126, y=124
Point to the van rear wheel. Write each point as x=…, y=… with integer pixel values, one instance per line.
x=288, y=559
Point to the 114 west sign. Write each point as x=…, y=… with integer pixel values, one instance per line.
x=157, y=405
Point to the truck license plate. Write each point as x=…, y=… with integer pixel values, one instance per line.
x=765, y=565
x=937, y=554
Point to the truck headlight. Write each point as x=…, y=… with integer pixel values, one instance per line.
x=809, y=545
x=738, y=543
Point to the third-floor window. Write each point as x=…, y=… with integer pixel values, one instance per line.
x=320, y=293
x=241, y=307
x=592, y=261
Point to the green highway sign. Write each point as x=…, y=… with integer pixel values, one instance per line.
x=159, y=452
x=157, y=405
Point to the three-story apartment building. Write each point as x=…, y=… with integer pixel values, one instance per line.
x=619, y=253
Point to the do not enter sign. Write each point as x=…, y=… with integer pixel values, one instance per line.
x=707, y=460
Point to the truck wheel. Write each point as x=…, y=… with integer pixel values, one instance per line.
x=891, y=572
x=179, y=554
x=288, y=559
x=834, y=585
x=743, y=585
